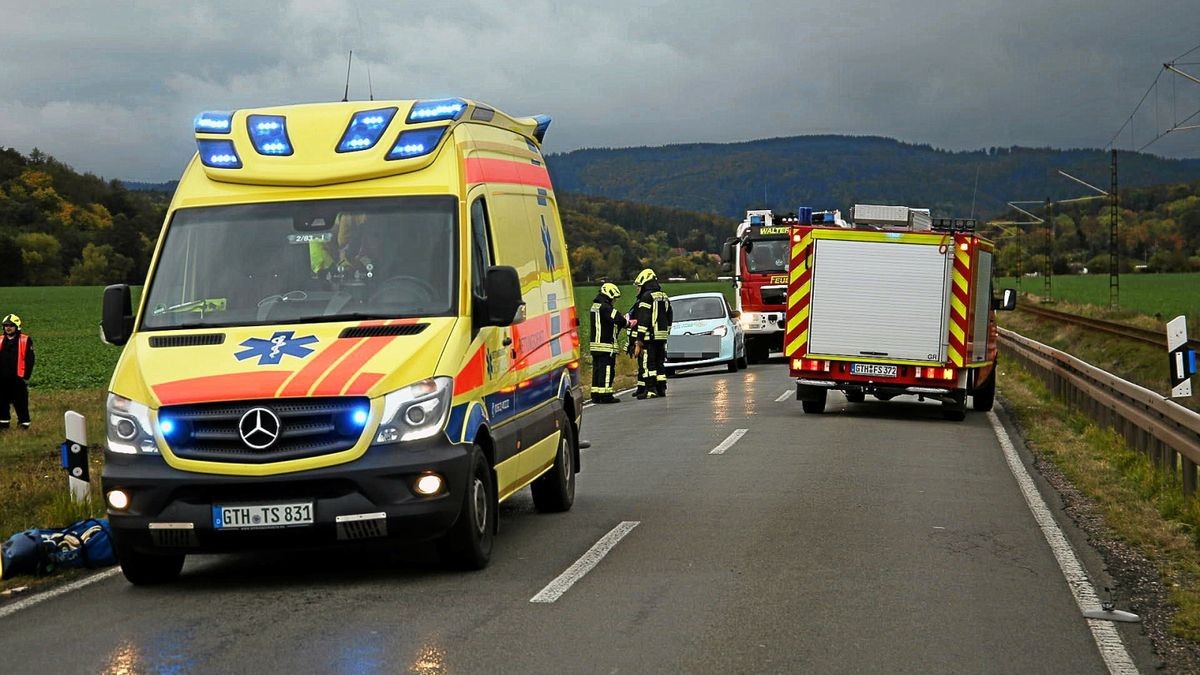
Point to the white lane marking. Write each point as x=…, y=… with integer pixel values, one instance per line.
x=728, y=442
x=1104, y=632
x=785, y=396
x=8, y=610
x=554, y=590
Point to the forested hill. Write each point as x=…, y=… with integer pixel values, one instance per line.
x=827, y=172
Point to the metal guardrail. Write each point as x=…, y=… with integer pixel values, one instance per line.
x=1166, y=431
x=1157, y=338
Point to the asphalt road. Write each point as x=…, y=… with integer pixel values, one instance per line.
x=876, y=537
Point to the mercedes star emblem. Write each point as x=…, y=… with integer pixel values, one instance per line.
x=259, y=428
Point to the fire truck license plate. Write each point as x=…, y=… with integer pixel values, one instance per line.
x=873, y=369
x=239, y=517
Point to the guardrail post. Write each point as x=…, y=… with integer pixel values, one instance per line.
x=75, y=456
x=1189, y=477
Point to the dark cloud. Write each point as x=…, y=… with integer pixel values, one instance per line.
x=113, y=88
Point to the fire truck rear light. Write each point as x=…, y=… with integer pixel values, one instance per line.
x=797, y=364
x=964, y=246
x=796, y=238
x=947, y=373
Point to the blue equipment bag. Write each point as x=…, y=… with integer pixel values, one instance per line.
x=87, y=543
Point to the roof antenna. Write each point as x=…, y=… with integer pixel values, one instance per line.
x=975, y=191
x=370, y=88
x=346, y=96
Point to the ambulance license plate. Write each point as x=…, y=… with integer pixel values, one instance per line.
x=250, y=516
x=873, y=370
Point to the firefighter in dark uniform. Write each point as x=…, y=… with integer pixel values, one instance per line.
x=16, y=365
x=652, y=315
x=607, y=322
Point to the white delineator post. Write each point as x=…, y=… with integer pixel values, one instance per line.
x=1182, y=360
x=75, y=456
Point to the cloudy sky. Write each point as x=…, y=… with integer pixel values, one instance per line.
x=112, y=87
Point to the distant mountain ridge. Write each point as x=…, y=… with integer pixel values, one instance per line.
x=827, y=172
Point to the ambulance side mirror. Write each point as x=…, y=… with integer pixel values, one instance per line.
x=116, y=321
x=504, y=306
x=1007, y=300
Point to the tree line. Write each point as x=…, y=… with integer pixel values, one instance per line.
x=58, y=226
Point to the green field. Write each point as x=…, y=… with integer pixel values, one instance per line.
x=1168, y=295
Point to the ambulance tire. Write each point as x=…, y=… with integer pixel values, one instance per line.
x=468, y=544
x=146, y=569
x=817, y=406
x=983, y=397
x=554, y=492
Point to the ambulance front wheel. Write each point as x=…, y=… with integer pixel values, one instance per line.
x=554, y=492
x=468, y=544
x=815, y=405
x=146, y=569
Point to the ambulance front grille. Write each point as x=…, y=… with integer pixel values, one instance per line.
x=308, y=427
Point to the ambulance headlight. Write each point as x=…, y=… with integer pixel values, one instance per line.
x=416, y=411
x=129, y=427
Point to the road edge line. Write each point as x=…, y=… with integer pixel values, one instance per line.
x=785, y=396
x=563, y=582
x=1108, y=640
x=25, y=603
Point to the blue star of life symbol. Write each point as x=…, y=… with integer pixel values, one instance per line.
x=271, y=351
x=547, y=243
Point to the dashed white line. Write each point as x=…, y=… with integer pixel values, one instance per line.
x=728, y=442
x=7, y=610
x=1112, y=650
x=554, y=590
x=784, y=396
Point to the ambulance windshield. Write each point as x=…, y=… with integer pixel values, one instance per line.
x=767, y=255
x=294, y=262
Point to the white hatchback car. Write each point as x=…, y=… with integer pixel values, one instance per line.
x=704, y=332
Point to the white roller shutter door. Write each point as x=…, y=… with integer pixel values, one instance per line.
x=879, y=300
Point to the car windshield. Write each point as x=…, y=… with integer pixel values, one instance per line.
x=768, y=255
x=697, y=309
x=292, y=262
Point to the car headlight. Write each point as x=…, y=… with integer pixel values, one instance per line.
x=129, y=427
x=416, y=411
x=720, y=331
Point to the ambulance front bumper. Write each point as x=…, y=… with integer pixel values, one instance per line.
x=372, y=497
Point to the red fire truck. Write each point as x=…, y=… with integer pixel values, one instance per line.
x=758, y=258
x=899, y=306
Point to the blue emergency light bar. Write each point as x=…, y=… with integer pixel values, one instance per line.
x=416, y=142
x=214, y=122
x=437, y=110
x=804, y=215
x=218, y=154
x=269, y=134
x=365, y=129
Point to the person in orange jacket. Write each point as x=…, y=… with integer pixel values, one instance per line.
x=16, y=365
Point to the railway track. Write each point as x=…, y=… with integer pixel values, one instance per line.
x=1158, y=338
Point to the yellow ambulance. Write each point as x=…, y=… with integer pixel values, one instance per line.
x=358, y=324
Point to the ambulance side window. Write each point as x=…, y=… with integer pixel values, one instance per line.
x=481, y=248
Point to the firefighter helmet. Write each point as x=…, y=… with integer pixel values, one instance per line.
x=610, y=291
x=643, y=277
x=12, y=319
